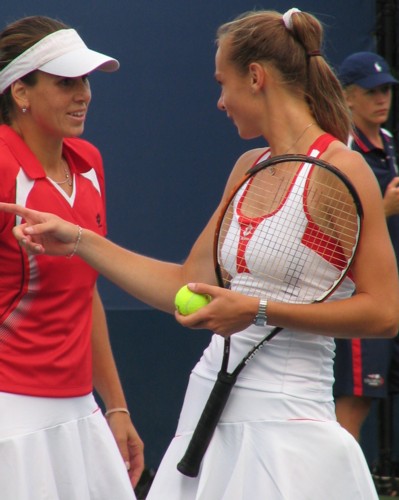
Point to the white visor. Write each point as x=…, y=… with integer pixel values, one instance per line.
x=63, y=53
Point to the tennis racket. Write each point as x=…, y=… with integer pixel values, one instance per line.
x=288, y=233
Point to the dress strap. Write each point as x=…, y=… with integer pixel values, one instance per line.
x=320, y=145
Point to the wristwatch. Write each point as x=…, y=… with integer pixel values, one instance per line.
x=261, y=317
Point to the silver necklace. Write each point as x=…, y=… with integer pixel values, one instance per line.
x=272, y=170
x=68, y=178
x=300, y=136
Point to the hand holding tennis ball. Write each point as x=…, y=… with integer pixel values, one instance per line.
x=188, y=302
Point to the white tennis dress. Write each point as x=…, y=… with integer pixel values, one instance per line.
x=278, y=438
x=58, y=449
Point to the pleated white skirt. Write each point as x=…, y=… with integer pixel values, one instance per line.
x=265, y=448
x=58, y=449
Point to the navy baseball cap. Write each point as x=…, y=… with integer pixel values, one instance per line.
x=366, y=69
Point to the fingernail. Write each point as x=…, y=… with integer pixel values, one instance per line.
x=127, y=465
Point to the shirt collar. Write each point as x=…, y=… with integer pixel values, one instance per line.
x=364, y=143
x=28, y=160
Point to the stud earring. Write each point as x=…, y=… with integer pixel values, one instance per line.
x=24, y=110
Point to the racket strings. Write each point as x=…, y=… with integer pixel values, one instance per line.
x=294, y=245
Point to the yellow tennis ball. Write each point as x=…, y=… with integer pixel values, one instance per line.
x=187, y=302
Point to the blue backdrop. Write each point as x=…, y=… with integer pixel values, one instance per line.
x=165, y=144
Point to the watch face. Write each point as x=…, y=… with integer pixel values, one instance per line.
x=260, y=321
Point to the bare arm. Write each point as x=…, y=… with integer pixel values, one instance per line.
x=153, y=281
x=150, y=280
x=107, y=383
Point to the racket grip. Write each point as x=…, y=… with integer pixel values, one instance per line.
x=189, y=465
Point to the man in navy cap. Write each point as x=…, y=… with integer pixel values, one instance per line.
x=368, y=369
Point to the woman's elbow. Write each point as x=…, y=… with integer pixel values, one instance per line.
x=388, y=324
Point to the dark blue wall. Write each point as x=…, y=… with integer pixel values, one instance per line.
x=165, y=144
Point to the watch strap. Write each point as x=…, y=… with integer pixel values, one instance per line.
x=261, y=316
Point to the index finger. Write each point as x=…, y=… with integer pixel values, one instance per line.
x=25, y=213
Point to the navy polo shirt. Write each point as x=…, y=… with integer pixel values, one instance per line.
x=383, y=163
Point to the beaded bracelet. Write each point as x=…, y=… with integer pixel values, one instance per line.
x=116, y=410
x=80, y=231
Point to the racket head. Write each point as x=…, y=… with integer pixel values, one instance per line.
x=289, y=230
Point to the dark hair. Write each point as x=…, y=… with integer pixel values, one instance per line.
x=15, y=39
x=295, y=53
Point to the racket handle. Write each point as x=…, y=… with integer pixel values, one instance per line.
x=189, y=465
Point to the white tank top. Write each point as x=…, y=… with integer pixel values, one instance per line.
x=295, y=363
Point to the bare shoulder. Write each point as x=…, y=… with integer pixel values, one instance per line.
x=354, y=166
x=242, y=165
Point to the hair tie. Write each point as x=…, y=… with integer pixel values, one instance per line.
x=287, y=17
x=314, y=53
